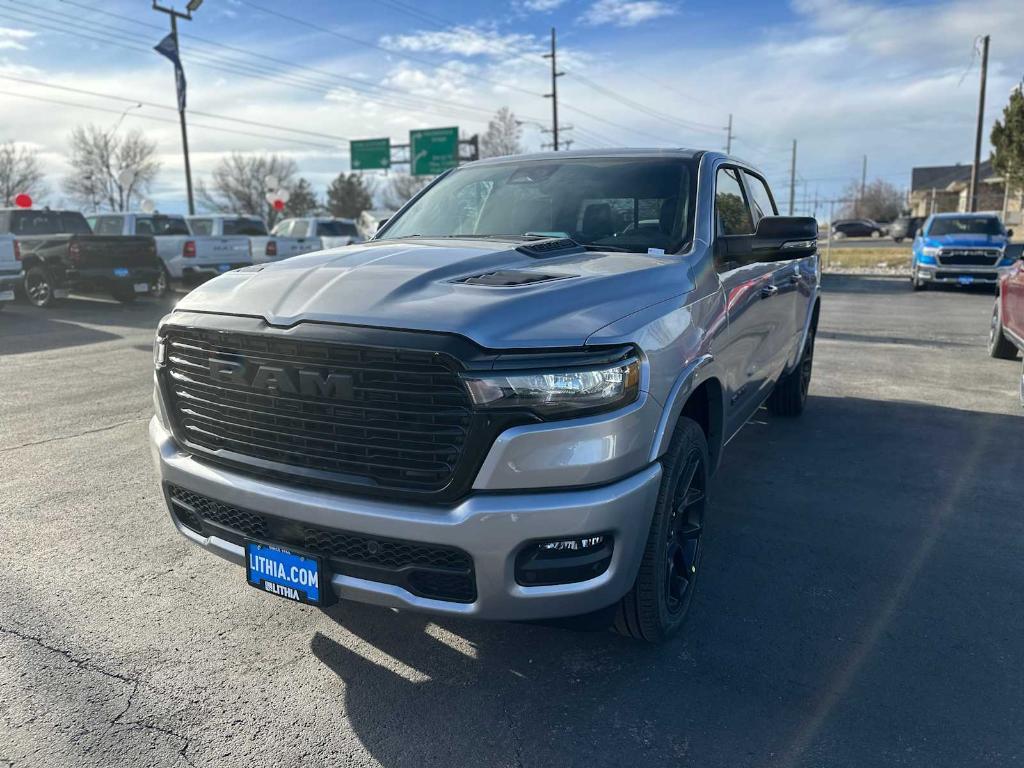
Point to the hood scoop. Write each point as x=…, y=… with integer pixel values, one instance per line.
x=510, y=278
x=555, y=246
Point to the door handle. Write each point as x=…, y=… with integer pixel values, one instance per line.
x=794, y=278
x=767, y=291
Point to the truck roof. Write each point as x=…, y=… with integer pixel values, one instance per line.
x=687, y=154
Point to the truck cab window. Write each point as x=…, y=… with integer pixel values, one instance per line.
x=731, y=211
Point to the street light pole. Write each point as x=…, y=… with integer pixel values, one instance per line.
x=179, y=82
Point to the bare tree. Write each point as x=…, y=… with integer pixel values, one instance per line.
x=400, y=188
x=20, y=173
x=503, y=137
x=108, y=169
x=882, y=201
x=239, y=184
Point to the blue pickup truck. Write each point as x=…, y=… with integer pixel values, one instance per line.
x=959, y=249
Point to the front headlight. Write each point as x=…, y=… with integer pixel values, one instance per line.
x=562, y=393
x=930, y=250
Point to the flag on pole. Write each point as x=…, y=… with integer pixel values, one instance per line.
x=169, y=47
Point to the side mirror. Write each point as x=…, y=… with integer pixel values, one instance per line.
x=1009, y=234
x=780, y=238
x=381, y=223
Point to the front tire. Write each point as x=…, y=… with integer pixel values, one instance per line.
x=999, y=346
x=39, y=287
x=916, y=283
x=659, y=600
x=790, y=394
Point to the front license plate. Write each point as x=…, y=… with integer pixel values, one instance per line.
x=6, y=295
x=142, y=287
x=121, y=272
x=283, y=573
x=224, y=268
x=965, y=280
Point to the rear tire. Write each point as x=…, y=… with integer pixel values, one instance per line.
x=39, y=287
x=790, y=394
x=162, y=286
x=659, y=600
x=999, y=346
x=917, y=284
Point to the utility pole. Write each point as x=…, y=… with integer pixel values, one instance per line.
x=972, y=200
x=173, y=52
x=555, y=74
x=792, y=179
x=728, y=136
x=863, y=185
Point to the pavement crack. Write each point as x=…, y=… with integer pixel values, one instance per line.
x=76, y=434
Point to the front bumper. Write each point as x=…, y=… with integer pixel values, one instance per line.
x=490, y=527
x=957, y=275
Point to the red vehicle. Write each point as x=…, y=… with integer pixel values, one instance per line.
x=1007, y=334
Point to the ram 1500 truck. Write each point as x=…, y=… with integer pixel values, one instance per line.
x=1006, y=336
x=265, y=247
x=11, y=274
x=508, y=404
x=60, y=253
x=185, y=257
x=317, y=234
x=959, y=249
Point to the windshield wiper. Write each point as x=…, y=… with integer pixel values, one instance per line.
x=613, y=248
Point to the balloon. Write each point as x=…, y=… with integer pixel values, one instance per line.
x=23, y=201
x=271, y=183
x=270, y=197
x=283, y=194
x=279, y=205
x=126, y=177
x=148, y=206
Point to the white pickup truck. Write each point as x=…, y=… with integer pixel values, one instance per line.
x=265, y=248
x=185, y=257
x=318, y=234
x=10, y=268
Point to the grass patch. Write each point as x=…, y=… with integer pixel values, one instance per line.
x=866, y=258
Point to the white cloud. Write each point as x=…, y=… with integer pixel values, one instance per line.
x=627, y=13
x=541, y=6
x=464, y=41
x=11, y=37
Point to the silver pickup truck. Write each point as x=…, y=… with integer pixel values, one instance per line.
x=265, y=247
x=316, y=234
x=186, y=257
x=508, y=404
x=11, y=274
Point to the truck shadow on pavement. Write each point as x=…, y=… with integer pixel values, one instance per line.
x=838, y=608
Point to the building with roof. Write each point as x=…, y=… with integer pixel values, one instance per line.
x=945, y=189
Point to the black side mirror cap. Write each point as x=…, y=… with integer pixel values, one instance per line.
x=1009, y=233
x=780, y=238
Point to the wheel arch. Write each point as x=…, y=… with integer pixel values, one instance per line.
x=700, y=398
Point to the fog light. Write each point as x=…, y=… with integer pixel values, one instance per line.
x=563, y=561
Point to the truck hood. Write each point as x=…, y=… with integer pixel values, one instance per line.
x=418, y=285
x=966, y=241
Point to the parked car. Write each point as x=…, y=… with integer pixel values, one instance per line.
x=959, y=249
x=11, y=274
x=857, y=228
x=1007, y=331
x=60, y=253
x=318, y=234
x=905, y=227
x=509, y=412
x=265, y=248
x=185, y=257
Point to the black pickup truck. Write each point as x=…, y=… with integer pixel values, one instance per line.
x=60, y=253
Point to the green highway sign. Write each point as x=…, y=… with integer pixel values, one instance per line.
x=433, y=151
x=370, y=154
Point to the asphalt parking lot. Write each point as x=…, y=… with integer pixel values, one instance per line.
x=861, y=601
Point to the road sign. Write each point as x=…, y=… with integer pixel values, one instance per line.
x=433, y=151
x=370, y=154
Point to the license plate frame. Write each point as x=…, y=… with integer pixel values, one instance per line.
x=141, y=287
x=7, y=295
x=965, y=280
x=222, y=268
x=291, y=589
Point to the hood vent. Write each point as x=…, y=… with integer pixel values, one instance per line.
x=509, y=278
x=556, y=246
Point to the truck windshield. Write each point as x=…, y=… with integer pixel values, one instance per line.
x=336, y=229
x=621, y=203
x=251, y=227
x=49, y=223
x=160, y=225
x=965, y=225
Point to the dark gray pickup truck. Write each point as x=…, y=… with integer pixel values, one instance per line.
x=60, y=253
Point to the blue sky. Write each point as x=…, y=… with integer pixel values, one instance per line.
x=846, y=78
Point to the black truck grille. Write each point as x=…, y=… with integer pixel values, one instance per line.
x=968, y=257
x=427, y=570
x=374, y=417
